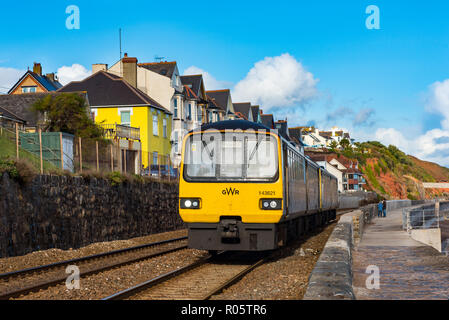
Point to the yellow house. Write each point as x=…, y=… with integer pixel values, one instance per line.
x=135, y=116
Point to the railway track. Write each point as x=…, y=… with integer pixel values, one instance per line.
x=197, y=281
x=16, y=283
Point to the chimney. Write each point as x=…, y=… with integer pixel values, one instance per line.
x=99, y=67
x=37, y=68
x=50, y=76
x=129, y=67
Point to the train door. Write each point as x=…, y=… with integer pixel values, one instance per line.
x=286, y=176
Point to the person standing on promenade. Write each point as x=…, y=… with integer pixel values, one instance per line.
x=379, y=209
x=384, y=208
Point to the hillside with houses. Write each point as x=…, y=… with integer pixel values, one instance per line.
x=144, y=109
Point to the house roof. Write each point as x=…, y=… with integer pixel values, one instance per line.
x=211, y=103
x=21, y=105
x=193, y=82
x=282, y=127
x=43, y=80
x=267, y=120
x=163, y=68
x=242, y=109
x=255, y=112
x=221, y=97
x=106, y=89
x=4, y=113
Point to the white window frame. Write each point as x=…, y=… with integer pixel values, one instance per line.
x=156, y=128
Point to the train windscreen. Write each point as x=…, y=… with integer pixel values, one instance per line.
x=231, y=156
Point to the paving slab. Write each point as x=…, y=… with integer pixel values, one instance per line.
x=408, y=269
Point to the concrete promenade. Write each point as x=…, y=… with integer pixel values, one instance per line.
x=408, y=269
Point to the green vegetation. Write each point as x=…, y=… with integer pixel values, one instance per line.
x=19, y=170
x=67, y=112
x=8, y=151
x=389, y=167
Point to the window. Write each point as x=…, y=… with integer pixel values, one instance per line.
x=189, y=112
x=240, y=157
x=175, y=109
x=29, y=89
x=155, y=125
x=155, y=158
x=164, y=128
x=125, y=118
x=176, y=142
x=198, y=113
x=210, y=117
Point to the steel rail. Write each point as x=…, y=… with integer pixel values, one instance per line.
x=154, y=281
x=90, y=257
x=233, y=280
x=169, y=275
x=48, y=283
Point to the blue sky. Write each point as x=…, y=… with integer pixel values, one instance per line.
x=379, y=79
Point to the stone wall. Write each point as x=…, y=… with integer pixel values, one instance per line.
x=356, y=199
x=332, y=276
x=71, y=212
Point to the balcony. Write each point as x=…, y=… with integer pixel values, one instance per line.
x=118, y=131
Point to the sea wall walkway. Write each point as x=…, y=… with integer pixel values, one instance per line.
x=388, y=264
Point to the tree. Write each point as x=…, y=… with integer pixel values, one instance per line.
x=333, y=146
x=344, y=143
x=68, y=112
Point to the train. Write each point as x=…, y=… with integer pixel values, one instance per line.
x=244, y=187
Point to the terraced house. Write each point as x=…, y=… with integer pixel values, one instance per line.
x=119, y=106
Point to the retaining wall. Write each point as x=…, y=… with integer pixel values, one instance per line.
x=71, y=212
x=332, y=276
x=352, y=200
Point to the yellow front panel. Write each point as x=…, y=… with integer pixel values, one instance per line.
x=216, y=202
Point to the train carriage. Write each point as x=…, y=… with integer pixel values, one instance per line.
x=244, y=187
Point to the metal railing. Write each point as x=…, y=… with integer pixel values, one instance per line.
x=421, y=219
x=121, y=131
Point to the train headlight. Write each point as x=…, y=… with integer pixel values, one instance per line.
x=271, y=204
x=190, y=203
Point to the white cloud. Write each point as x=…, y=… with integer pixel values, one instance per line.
x=364, y=117
x=210, y=82
x=279, y=81
x=8, y=77
x=75, y=72
x=438, y=101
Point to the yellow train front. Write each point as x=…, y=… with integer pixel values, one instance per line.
x=243, y=187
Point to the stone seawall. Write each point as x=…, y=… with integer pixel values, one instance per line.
x=71, y=212
x=332, y=276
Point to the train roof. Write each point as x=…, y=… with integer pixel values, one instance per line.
x=232, y=125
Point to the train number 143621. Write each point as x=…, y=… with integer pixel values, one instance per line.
x=267, y=193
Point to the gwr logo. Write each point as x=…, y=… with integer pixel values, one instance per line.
x=229, y=191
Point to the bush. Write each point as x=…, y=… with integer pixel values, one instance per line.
x=18, y=170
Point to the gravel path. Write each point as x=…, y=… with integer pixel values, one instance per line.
x=285, y=277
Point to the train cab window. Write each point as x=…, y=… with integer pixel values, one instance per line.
x=231, y=158
x=261, y=158
x=238, y=157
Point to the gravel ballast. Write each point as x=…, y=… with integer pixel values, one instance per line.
x=285, y=276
